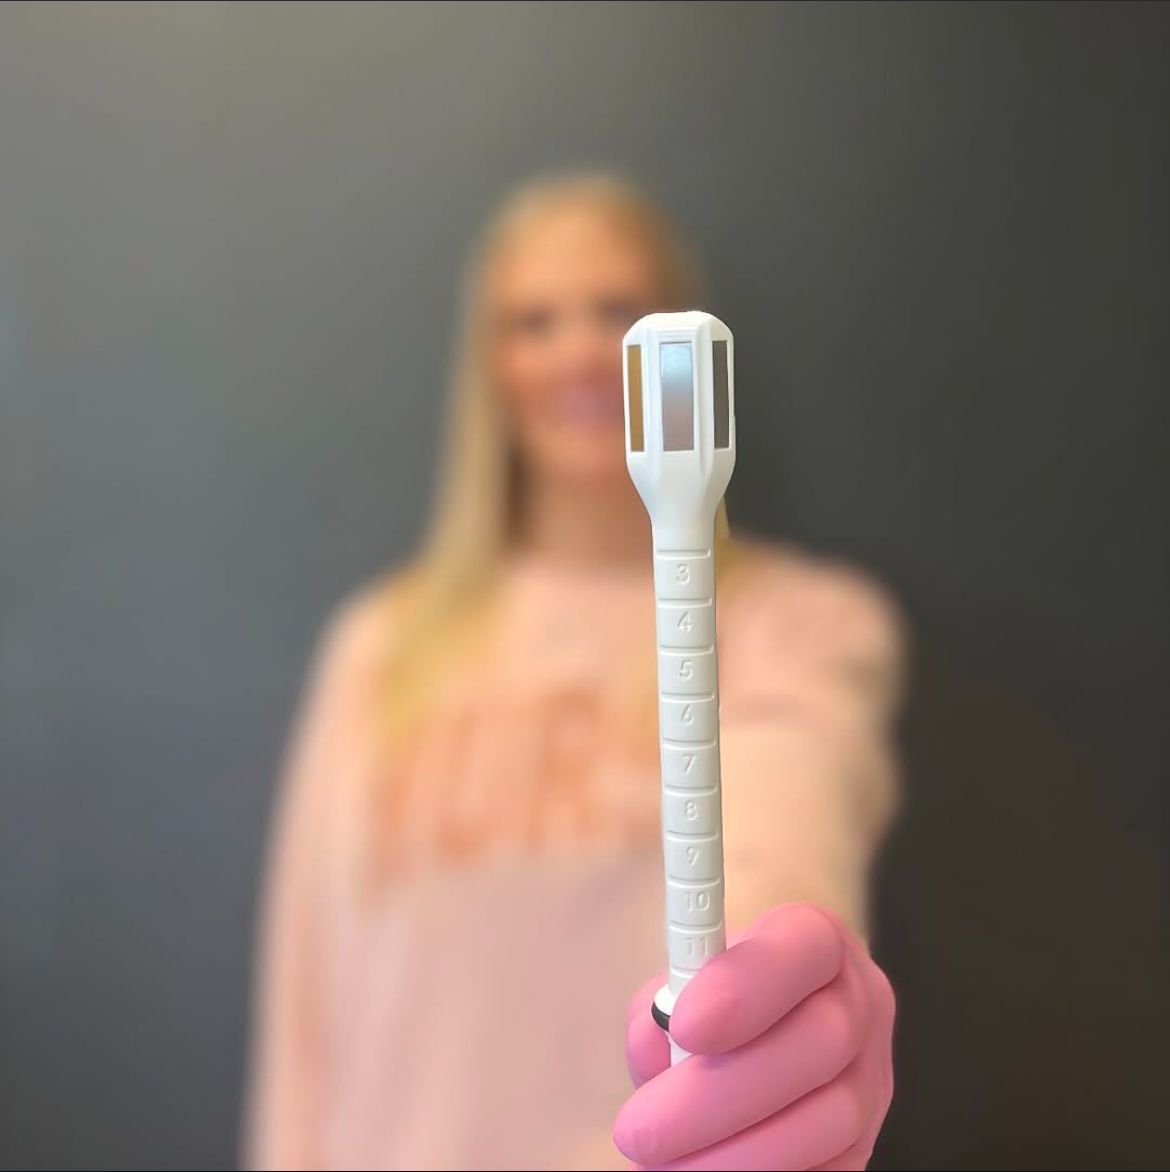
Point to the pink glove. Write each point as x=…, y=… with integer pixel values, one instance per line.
x=789, y=1032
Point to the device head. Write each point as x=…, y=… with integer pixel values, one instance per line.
x=680, y=415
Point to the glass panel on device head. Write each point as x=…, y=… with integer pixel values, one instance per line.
x=634, y=383
x=677, y=370
x=722, y=399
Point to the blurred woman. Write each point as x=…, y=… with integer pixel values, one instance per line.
x=466, y=885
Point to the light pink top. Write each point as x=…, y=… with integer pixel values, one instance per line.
x=449, y=945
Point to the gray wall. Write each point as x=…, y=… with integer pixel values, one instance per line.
x=228, y=244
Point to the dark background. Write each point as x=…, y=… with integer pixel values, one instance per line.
x=229, y=236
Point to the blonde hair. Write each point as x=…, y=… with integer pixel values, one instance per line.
x=440, y=601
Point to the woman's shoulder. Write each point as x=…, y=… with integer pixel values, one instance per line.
x=363, y=628
x=777, y=591
x=770, y=572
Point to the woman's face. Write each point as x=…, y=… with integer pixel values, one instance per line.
x=562, y=294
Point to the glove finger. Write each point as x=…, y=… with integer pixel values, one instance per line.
x=806, y=1134
x=710, y=1097
x=881, y=1008
x=873, y=1063
x=736, y=996
x=853, y=1159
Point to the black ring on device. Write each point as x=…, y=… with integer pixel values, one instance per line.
x=660, y=1016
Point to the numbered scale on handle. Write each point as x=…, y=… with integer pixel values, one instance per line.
x=680, y=450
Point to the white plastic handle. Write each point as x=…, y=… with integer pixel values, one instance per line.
x=688, y=722
x=680, y=450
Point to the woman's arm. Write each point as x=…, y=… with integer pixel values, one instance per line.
x=283, y=1125
x=810, y=778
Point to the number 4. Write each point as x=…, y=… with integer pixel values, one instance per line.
x=684, y=621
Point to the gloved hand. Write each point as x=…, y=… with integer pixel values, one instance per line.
x=789, y=1032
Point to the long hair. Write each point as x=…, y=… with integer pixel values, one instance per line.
x=440, y=601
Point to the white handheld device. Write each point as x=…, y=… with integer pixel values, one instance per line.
x=680, y=450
